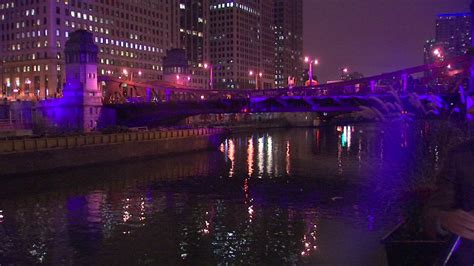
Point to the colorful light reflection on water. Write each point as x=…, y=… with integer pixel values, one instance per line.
x=319, y=196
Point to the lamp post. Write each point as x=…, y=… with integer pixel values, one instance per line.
x=438, y=53
x=311, y=62
x=260, y=74
x=211, y=75
x=125, y=73
x=27, y=87
x=344, y=72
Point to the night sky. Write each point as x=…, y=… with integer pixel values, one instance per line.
x=371, y=36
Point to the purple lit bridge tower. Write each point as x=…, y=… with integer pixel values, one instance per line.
x=80, y=109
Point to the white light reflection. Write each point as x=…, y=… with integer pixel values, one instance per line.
x=250, y=211
x=207, y=225
x=246, y=189
x=269, y=165
x=1, y=216
x=126, y=213
x=310, y=242
x=250, y=156
x=142, y=210
x=225, y=149
x=346, y=137
x=231, y=154
x=260, y=157
x=222, y=147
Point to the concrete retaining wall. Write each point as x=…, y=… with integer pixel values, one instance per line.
x=41, y=154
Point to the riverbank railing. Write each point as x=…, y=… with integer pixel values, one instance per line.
x=79, y=141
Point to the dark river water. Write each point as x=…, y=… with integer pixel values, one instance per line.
x=287, y=196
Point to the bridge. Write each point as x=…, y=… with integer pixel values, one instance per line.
x=138, y=102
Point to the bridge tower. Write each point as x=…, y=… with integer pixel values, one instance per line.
x=80, y=109
x=82, y=96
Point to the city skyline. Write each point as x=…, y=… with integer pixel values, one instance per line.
x=234, y=40
x=367, y=37
x=390, y=34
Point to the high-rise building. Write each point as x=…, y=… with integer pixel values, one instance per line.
x=242, y=40
x=289, y=41
x=132, y=35
x=453, y=36
x=194, y=30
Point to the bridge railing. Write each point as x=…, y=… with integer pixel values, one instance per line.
x=397, y=80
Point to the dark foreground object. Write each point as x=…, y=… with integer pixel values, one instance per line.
x=405, y=246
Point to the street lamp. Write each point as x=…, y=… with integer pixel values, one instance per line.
x=438, y=53
x=27, y=86
x=344, y=72
x=211, y=77
x=260, y=74
x=125, y=73
x=311, y=62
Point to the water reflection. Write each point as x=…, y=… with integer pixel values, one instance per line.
x=250, y=156
x=295, y=196
x=260, y=156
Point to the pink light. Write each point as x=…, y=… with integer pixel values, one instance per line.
x=139, y=73
x=306, y=59
x=251, y=73
x=449, y=66
x=206, y=65
x=345, y=70
x=177, y=76
x=189, y=78
x=260, y=74
x=316, y=62
x=125, y=72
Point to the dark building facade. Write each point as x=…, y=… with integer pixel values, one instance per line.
x=289, y=41
x=242, y=40
x=194, y=22
x=453, y=37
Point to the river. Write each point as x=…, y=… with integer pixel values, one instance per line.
x=283, y=196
